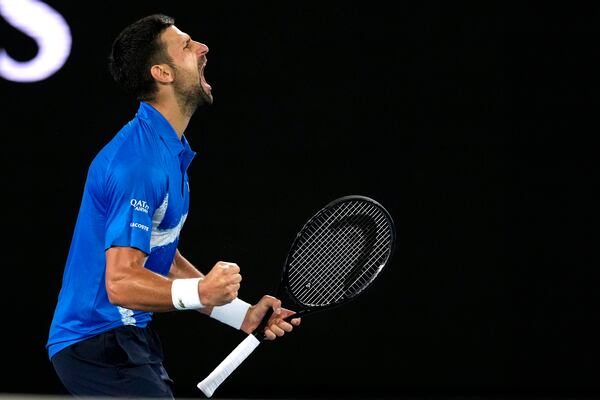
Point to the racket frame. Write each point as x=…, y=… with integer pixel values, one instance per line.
x=285, y=283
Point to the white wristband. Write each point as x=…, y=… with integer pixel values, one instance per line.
x=185, y=294
x=232, y=314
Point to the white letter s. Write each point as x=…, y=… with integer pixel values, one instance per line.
x=49, y=30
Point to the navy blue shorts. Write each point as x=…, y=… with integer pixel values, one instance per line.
x=123, y=362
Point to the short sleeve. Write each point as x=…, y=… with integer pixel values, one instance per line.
x=133, y=192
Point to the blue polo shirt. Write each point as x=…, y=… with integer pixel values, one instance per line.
x=136, y=195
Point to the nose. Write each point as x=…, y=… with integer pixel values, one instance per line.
x=202, y=49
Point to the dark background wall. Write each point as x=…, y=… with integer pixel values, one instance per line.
x=473, y=123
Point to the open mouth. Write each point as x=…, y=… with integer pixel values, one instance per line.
x=207, y=88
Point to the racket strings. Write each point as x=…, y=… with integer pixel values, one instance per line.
x=350, y=281
x=372, y=266
x=334, y=286
x=320, y=232
x=312, y=247
x=323, y=270
x=316, y=247
x=331, y=271
x=337, y=287
x=348, y=243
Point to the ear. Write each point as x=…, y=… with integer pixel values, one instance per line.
x=162, y=73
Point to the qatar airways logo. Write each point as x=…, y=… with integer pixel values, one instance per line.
x=47, y=28
x=139, y=205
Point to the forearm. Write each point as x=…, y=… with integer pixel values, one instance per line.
x=129, y=284
x=141, y=289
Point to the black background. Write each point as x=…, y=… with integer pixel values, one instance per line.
x=474, y=123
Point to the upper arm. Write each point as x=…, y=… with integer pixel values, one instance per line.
x=121, y=263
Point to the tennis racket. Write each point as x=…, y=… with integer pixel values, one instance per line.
x=336, y=255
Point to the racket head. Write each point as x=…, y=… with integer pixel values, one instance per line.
x=338, y=254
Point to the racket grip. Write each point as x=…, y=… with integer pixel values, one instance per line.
x=228, y=365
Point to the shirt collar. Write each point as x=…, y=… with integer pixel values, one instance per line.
x=163, y=128
x=187, y=154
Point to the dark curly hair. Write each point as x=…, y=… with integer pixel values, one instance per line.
x=133, y=53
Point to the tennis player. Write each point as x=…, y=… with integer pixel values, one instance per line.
x=123, y=264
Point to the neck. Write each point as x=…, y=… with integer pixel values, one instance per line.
x=169, y=109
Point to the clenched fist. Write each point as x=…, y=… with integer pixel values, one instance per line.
x=220, y=286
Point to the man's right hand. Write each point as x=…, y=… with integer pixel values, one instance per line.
x=220, y=286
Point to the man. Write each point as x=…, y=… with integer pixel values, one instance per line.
x=123, y=263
